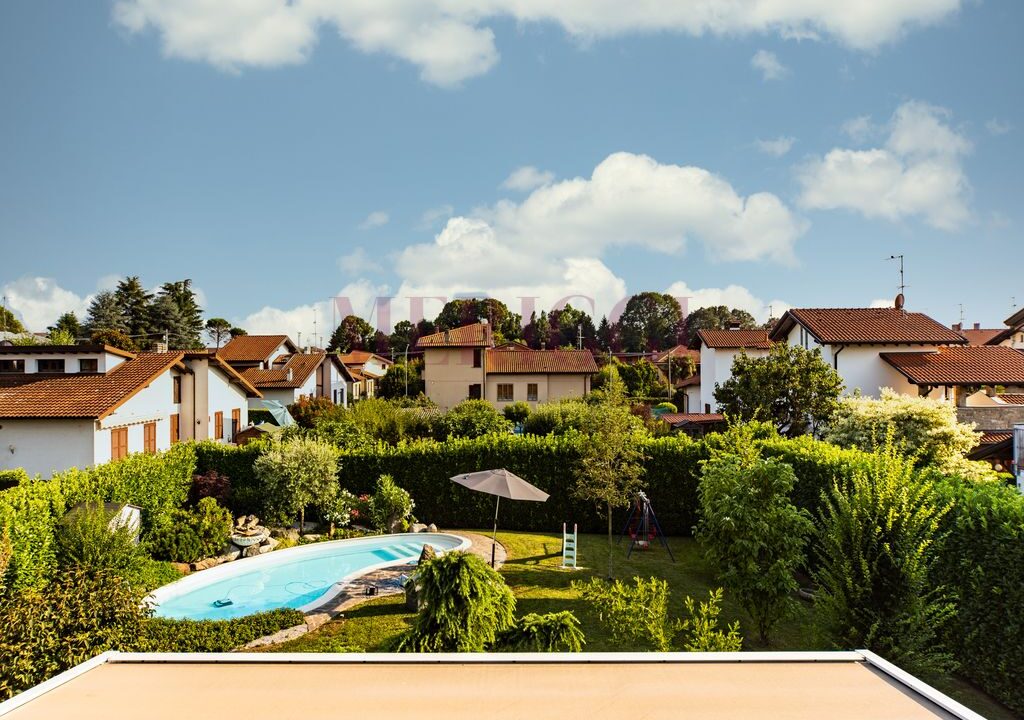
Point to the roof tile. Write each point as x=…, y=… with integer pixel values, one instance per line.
x=540, y=361
x=251, y=348
x=475, y=335
x=735, y=339
x=971, y=365
x=868, y=326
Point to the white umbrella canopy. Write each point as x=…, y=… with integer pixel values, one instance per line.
x=503, y=484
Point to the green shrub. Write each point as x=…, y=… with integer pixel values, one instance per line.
x=166, y=635
x=465, y=606
x=553, y=632
x=306, y=411
x=517, y=412
x=666, y=407
x=636, y=613
x=191, y=535
x=700, y=630
x=390, y=505
x=557, y=418
x=470, y=419
x=295, y=474
x=752, y=534
x=343, y=433
x=85, y=540
x=876, y=551
x=46, y=631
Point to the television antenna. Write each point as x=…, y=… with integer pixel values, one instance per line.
x=903, y=285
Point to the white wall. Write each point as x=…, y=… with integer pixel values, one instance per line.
x=226, y=396
x=715, y=369
x=44, y=446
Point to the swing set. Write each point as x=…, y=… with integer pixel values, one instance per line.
x=643, y=527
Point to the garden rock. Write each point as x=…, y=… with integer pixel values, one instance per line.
x=418, y=528
x=270, y=543
x=285, y=533
x=432, y=528
x=253, y=551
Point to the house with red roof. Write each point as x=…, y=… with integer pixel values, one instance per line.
x=64, y=406
x=282, y=372
x=718, y=349
x=464, y=363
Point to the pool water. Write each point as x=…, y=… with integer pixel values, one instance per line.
x=300, y=577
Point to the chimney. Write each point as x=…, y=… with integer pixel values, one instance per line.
x=977, y=326
x=957, y=327
x=161, y=347
x=289, y=374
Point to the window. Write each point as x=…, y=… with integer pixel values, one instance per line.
x=474, y=391
x=12, y=366
x=477, y=357
x=218, y=425
x=88, y=365
x=531, y=392
x=176, y=392
x=236, y=422
x=175, y=429
x=504, y=392
x=52, y=365
x=149, y=437
x=118, y=443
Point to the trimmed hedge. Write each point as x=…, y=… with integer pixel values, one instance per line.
x=30, y=510
x=983, y=563
x=236, y=462
x=12, y=478
x=166, y=635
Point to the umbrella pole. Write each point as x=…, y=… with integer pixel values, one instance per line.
x=494, y=538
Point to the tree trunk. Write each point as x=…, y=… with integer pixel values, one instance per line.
x=610, y=545
x=302, y=521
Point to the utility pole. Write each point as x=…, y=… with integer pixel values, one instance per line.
x=406, y=369
x=579, y=336
x=961, y=316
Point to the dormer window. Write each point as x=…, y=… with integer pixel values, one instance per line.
x=50, y=365
x=88, y=365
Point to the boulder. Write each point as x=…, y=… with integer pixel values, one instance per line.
x=432, y=528
x=412, y=601
x=418, y=528
x=427, y=553
x=253, y=551
x=270, y=543
x=286, y=533
x=183, y=568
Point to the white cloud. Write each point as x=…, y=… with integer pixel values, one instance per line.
x=528, y=178
x=777, y=147
x=449, y=41
x=859, y=129
x=767, y=63
x=320, y=314
x=883, y=303
x=733, y=296
x=39, y=301
x=995, y=126
x=431, y=217
x=358, y=261
x=918, y=173
x=376, y=219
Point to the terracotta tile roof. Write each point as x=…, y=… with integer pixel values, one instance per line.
x=970, y=365
x=867, y=326
x=980, y=336
x=84, y=396
x=734, y=339
x=475, y=335
x=687, y=382
x=1016, y=319
x=253, y=348
x=540, y=361
x=361, y=357
x=302, y=365
x=221, y=364
x=678, y=351
x=513, y=345
x=692, y=418
x=997, y=436
x=1012, y=398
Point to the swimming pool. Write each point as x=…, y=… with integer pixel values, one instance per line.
x=300, y=577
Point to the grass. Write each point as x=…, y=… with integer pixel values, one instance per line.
x=540, y=585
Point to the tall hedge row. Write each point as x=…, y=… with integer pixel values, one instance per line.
x=30, y=510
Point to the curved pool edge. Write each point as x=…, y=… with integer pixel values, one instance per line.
x=203, y=577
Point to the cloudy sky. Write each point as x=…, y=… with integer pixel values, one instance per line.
x=762, y=153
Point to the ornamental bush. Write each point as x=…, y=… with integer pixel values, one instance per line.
x=389, y=506
x=465, y=605
x=553, y=632
x=295, y=474
x=85, y=540
x=470, y=419
x=517, y=412
x=877, y=557
x=191, y=535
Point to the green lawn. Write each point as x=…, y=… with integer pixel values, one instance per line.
x=540, y=585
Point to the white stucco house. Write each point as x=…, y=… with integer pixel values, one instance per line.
x=83, y=405
x=366, y=369
x=718, y=349
x=280, y=371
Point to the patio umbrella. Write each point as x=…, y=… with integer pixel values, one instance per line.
x=503, y=484
x=279, y=412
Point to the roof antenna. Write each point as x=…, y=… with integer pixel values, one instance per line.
x=961, y=314
x=900, y=299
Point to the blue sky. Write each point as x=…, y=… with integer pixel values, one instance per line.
x=281, y=154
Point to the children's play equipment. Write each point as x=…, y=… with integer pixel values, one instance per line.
x=568, y=546
x=642, y=527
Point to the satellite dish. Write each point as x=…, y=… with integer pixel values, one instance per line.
x=900, y=300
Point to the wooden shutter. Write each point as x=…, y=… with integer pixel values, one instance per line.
x=175, y=431
x=218, y=425
x=236, y=422
x=149, y=437
x=118, y=443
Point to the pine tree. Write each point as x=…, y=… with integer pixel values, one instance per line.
x=67, y=323
x=134, y=302
x=105, y=313
x=165, y=319
x=219, y=330
x=188, y=308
